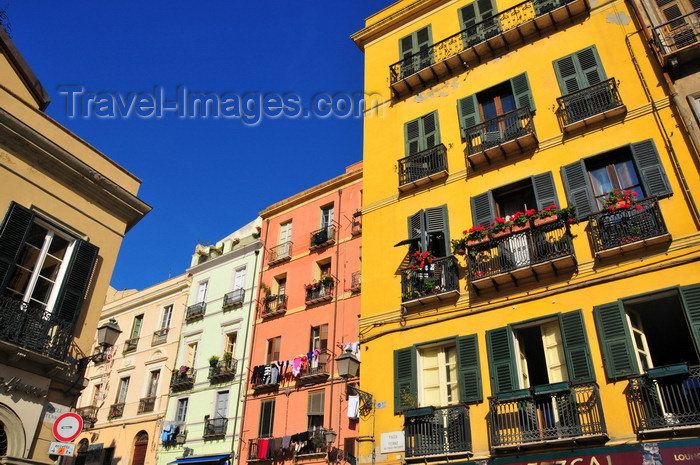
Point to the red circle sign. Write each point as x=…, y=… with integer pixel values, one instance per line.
x=67, y=427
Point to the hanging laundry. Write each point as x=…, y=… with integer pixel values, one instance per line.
x=354, y=407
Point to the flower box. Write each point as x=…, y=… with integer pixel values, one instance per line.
x=546, y=220
x=516, y=228
x=502, y=233
x=473, y=242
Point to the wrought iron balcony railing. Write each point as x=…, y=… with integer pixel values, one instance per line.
x=315, y=444
x=280, y=253
x=507, y=133
x=89, y=415
x=235, y=297
x=423, y=167
x=596, y=100
x=214, y=426
x=131, y=344
x=316, y=369
x=116, y=410
x=356, y=228
x=160, y=336
x=322, y=237
x=666, y=398
x=318, y=292
x=274, y=305
x=627, y=229
x=430, y=283
x=34, y=328
x=195, y=311
x=437, y=432
x=678, y=34
x=147, y=404
x=356, y=281
x=224, y=368
x=500, y=32
x=182, y=378
x=560, y=412
x=533, y=252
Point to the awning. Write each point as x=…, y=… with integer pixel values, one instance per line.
x=201, y=459
x=408, y=241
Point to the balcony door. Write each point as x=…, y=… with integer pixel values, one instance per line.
x=221, y=409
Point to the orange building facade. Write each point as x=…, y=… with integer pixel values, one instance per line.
x=296, y=406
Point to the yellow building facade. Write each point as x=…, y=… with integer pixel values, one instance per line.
x=566, y=328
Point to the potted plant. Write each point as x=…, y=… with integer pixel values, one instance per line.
x=521, y=221
x=235, y=241
x=546, y=216
x=422, y=261
x=429, y=286
x=213, y=360
x=256, y=234
x=327, y=281
x=568, y=214
x=459, y=246
x=620, y=200
x=500, y=227
x=476, y=235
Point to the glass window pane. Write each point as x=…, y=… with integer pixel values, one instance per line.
x=58, y=247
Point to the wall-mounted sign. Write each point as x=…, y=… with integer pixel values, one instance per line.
x=62, y=448
x=392, y=442
x=68, y=426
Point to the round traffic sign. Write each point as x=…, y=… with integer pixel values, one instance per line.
x=67, y=427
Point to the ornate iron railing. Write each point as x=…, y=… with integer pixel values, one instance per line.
x=34, y=328
x=422, y=164
x=147, y=404
x=182, y=379
x=316, y=366
x=666, y=397
x=545, y=413
x=322, y=237
x=116, y=410
x=678, y=33
x=498, y=130
x=195, y=311
x=280, y=252
x=88, y=414
x=273, y=304
x=356, y=281
x=318, y=291
x=626, y=226
x=313, y=442
x=160, y=336
x=237, y=296
x=223, y=368
x=439, y=431
x=539, y=244
x=588, y=102
x=466, y=38
x=215, y=426
x=440, y=276
x=131, y=344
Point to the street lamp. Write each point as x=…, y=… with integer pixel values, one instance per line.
x=348, y=367
x=107, y=336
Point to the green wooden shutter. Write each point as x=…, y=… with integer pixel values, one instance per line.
x=590, y=66
x=435, y=222
x=74, y=287
x=404, y=377
x=545, y=193
x=414, y=51
x=416, y=229
x=412, y=135
x=468, y=110
x=501, y=360
x=430, y=136
x=619, y=356
x=13, y=232
x=521, y=92
x=579, y=70
x=469, y=369
x=467, y=15
x=578, y=191
x=652, y=173
x=407, y=46
x=690, y=296
x=483, y=209
x=578, y=354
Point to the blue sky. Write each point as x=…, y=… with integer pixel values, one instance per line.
x=204, y=177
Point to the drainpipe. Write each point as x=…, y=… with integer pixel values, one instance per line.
x=335, y=313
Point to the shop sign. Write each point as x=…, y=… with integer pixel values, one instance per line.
x=392, y=442
x=62, y=448
x=614, y=458
x=688, y=455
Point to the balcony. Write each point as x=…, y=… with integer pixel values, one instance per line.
x=560, y=414
x=625, y=231
x=280, y=253
x=423, y=168
x=356, y=281
x=442, y=433
x=499, y=138
x=438, y=281
x=316, y=370
x=489, y=38
x=319, y=292
x=195, y=312
x=589, y=106
x=233, y=298
x=130, y=345
x=356, y=226
x=274, y=305
x=116, y=411
x=315, y=447
x=89, y=416
x=182, y=379
x=677, y=40
x=531, y=254
x=322, y=237
x=160, y=336
x=214, y=427
x=34, y=329
x=223, y=370
x=666, y=401
x=147, y=404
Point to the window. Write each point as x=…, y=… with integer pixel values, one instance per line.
x=273, y=349
x=479, y=21
x=267, y=417
x=221, y=406
x=181, y=412
x=634, y=334
x=191, y=355
x=239, y=278
x=123, y=389
x=415, y=53
x=314, y=410
x=579, y=70
x=427, y=231
x=421, y=134
x=672, y=12
x=326, y=216
x=319, y=338
x=635, y=166
x=42, y=265
x=540, y=352
x=97, y=395
x=285, y=232
x=281, y=285
x=136, y=327
x=324, y=269
x=153, y=384
x=230, y=346
x=202, y=291
x=437, y=374
x=167, y=316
